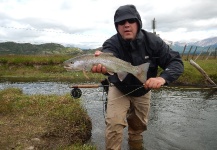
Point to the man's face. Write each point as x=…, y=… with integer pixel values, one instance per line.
x=128, y=29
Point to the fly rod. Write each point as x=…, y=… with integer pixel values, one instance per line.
x=172, y=85
x=76, y=91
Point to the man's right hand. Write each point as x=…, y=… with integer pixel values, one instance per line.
x=98, y=68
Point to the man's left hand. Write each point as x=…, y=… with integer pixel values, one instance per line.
x=154, y=83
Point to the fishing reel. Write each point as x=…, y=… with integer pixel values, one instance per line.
x=76, y=93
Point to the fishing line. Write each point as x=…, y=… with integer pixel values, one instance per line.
x=106, y=99
x=128, y=93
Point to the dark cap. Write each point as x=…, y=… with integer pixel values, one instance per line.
x=127, y=12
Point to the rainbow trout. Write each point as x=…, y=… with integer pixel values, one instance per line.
x=112, y=64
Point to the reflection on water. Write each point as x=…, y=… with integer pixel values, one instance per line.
x=179, y=119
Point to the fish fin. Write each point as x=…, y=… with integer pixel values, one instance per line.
x=122, y=75
x=142, y=72
x=111, y=73
x=85, y=74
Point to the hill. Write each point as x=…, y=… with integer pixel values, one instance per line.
x=33, y=49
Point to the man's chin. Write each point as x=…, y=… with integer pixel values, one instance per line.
x=128, y=38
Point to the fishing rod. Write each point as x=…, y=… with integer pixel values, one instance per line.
x=76, y=91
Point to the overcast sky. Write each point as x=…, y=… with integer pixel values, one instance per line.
x=88, y=23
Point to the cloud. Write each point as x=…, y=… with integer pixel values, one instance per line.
x=89, y=23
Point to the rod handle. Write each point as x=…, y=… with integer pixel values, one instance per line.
x=86, y=86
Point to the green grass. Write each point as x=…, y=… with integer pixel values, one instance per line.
x=33, y=59
x=41, y=68
x=42, y=121
x=192, y=76
x=50, y=68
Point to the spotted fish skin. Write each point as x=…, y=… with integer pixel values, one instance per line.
x=112, y=64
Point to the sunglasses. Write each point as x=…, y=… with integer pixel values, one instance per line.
x=133, y=20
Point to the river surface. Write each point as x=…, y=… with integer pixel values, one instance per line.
x=179, y=119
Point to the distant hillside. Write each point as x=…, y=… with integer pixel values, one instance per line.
x=33, y=49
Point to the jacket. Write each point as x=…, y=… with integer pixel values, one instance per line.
x=147, y=47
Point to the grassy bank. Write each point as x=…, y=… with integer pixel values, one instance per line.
x=40, y=68
x=49, y=68
x=192, y=76
x=42, y=122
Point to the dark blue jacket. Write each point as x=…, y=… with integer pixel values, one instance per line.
x=147, y=47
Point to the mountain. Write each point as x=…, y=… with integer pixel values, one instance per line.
x=202, y=43
x=206, y=42
x=209, y=43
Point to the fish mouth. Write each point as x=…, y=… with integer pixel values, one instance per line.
x=67, y=67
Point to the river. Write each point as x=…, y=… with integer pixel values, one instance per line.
x=180, y=119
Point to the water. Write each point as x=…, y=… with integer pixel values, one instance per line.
x=179, y=119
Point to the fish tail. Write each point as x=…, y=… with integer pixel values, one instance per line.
x=142, y=72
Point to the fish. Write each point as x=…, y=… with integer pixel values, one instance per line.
x=110, y=62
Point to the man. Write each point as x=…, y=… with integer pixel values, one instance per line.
x=125, y=100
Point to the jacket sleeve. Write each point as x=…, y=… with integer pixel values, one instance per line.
x=110, y=46
x=168, y=59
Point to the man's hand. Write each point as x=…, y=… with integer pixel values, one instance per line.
x=98, y=68
x=154, y=83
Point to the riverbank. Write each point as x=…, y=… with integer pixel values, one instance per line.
x=42, y=121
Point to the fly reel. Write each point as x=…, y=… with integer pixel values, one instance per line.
x=76, y=93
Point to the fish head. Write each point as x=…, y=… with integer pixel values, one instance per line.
x=74, y=65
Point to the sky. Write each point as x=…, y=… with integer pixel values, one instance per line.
x=88, y=23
